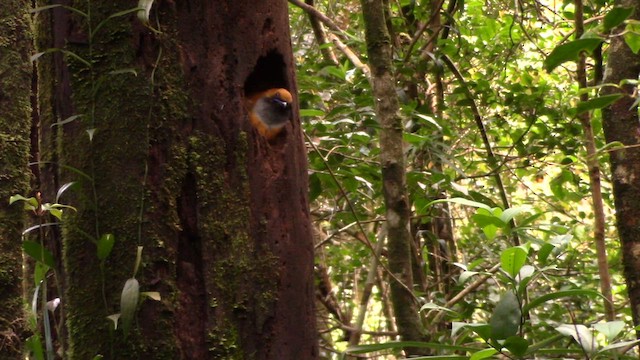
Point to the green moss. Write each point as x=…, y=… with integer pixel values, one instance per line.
x=224, y=343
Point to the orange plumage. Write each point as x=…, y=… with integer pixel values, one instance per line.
x=269, y=111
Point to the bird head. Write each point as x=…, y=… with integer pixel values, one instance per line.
x=270, y=110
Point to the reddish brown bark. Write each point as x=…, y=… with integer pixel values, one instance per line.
x=620, y=123
x=224, y=216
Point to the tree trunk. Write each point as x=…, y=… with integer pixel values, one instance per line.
x=620, y=123
x=15, y=121
x=393, y=173
x=166, y=158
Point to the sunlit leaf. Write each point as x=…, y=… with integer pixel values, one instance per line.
x=581, y=334
x=610, y=329
x=598, y=102
x=570, y=51
x=512, y=260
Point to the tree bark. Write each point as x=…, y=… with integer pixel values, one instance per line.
x=172, y=164
x=15, y=122
x=620, y=123
x=393, y=172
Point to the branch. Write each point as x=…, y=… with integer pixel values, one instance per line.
x=485, y=139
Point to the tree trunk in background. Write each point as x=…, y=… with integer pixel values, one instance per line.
x=166, y=159
x=393, y=173
x=15, y=122
x=620, y=123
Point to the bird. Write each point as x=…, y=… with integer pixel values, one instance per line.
x=269, y=111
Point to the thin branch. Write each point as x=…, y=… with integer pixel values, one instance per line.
x=485, y=139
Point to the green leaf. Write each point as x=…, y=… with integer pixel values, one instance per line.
x=581, y=334
x=569, y=51
x=632, y=36
x=38, y=252
x=516, y=345
x=512, y=260
x=31, y=203
x=610, y=329
x=616, y=16
x=105, y=245
x=128, y=303
x=597, y=103
x=483, y=354
x=506, y=317
x=311, y=112
x=510, y=213
x=34, y=345
x=560, y=294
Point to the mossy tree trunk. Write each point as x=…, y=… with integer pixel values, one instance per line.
x=620, y=123
x=165, y=158
x=15, y=123
x=393, y=174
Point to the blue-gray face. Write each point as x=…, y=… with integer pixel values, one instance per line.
x=273, y=111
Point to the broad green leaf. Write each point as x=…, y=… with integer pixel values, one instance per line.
x=490, y=231
x=30, y=203
x=506, y=317
x=512, y=260
x=34, y=345
x=581, y=334
x=465, y=275
x=632, y=36
x=128, y=303
x=483, y=354
x=610, y=329
x=598, y=102
x=616, y=16
x=40, y=272
x=558, y=295
x=105, y=245
x=38, y=252
x=516, y=345
x=484, y=217
x=483, y=330
x=508, y=214
x=569, y=52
